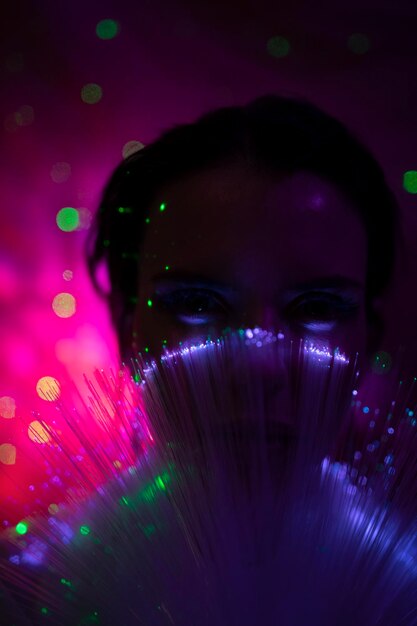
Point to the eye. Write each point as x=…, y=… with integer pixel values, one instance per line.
x=321, y=312
x=195, y=307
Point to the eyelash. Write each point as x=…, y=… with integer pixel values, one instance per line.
x=173, y=301
x=176, y=302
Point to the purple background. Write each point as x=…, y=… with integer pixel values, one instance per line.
x=169, y=63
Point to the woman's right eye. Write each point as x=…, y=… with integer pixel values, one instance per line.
x=194, y=307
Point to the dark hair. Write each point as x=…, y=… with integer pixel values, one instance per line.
x=272, y=133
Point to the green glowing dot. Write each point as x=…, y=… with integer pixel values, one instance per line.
x=91, y=93
x=123, y=209
x=147, y=221
x=66, y=582
x=84, y=530
x=21, y=528
x=162, y=206
x=278, y=46
x=106, y=243
x=44, y=610
x=68, y=219
x=358, y=43
x=160, y=483
x=410, y=181
x=164, y=341
x=149, y=303
x=382, y=362
x=146, y=349
x=107, y=29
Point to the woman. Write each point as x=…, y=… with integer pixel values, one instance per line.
x=270, y=214
x=267, y=216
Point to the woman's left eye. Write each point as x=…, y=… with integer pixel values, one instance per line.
x=194, y=307
x=321, y=313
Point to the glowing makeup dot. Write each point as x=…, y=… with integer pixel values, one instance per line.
x=123, y=209
x=84, y=530
x=107, y=29
x=91, y=93
x=7, y=407
x=7, y=454
x=22, y=528
x=24, y=116
x=60, y=172
x=278, y=46
x=354, y=392
x=48, y=388
x=365, y=409
x=53, y=509
x=167, y=267
x=381, y=363
x=68, y=219
x=162, y=206
x=146, y=349
x=147, y=220
x=410, y=181
x=358, y=43
x=149, y=303
x=44, y=610
x=37, y=433
x=67, y=275
x=64, y=305
x=131, y=147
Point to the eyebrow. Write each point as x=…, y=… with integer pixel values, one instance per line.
x=329, y=282
x=189, y=279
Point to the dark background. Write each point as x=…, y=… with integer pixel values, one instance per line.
x=168, y=63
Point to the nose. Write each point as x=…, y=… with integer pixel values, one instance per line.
x=263, y=315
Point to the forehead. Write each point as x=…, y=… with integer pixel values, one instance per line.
x=235, y=222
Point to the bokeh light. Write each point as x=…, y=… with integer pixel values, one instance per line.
x=358, y=43
x=60, y=172
x=67, y=275
x=64, y=305
x=91, y=93
x=107, y=29
x=278, y=46
x=7, y=454
x=131, y=147
x=85, y=218
x=37, y=432
x=22, y=528
x=48, y=388
x=7, y=407
x=68, y=219
x=24, y=116
x=53, y=509
x=410, y=181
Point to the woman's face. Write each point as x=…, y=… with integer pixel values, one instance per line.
x=232, y=247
